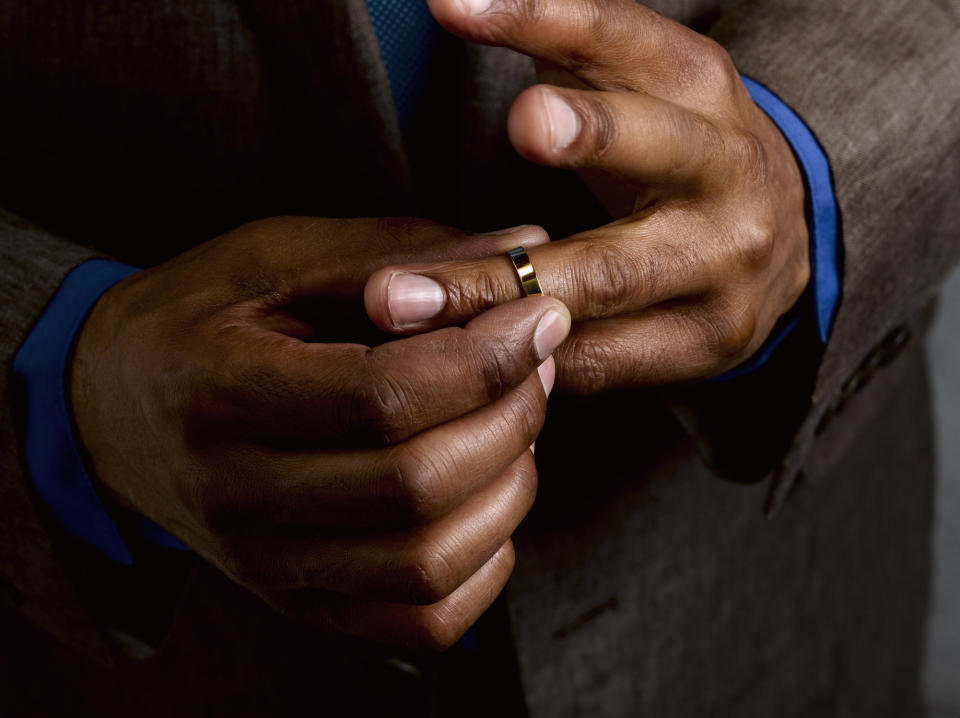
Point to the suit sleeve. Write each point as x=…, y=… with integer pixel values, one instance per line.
x=32, y=265
x=878, y=84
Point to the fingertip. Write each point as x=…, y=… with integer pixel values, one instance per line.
x=403, y=301
x=455, y=14
x=542, y=124
x=551, y=331
x=539, y=323
x=527, y=127
x=442, y=9
x=399, y=301
x=375, y=298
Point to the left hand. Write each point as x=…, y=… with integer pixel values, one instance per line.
x=712, y=244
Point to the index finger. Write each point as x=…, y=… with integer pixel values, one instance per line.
x=613, y=270
x=602, y=43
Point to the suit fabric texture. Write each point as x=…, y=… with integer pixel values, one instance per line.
x=747, y=548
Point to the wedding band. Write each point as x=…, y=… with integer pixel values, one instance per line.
x=526, y=272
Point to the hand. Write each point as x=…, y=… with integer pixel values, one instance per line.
x=713, y=248
x=369, y=490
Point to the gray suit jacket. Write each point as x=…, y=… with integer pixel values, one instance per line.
x=646, y=584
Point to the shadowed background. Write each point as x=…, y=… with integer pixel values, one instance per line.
x=942, y=674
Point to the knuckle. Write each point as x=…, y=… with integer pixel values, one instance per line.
x=586, y=363
x=613, y=277
x=427, y=574
x=729, y=331
x=527, y=11
x=598, y=18
x=716, y=58
x=711, y=65
x=416, y=479
x=497, y=367
x=594, y=24
x=477, y=290
x=502, y=27
x=755, y=244
x=599, y=21
x=382, y=407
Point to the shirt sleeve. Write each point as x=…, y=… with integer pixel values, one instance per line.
x=822, y=223
x=53, y=460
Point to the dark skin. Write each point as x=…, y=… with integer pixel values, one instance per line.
x=372, y=491
x=711, y=244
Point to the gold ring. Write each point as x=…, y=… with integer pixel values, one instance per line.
x=526, y=272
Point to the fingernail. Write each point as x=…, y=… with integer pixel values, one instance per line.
x=509, y=230
x=548, y=373
x=413, y=298
x=533, y=448
x=563, y=122
x=551, y=330
x=475, y=7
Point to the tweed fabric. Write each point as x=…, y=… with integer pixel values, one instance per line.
x=31, y=266
x=846, y=68
x=644, y=584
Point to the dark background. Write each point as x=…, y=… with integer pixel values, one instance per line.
x=942, y=672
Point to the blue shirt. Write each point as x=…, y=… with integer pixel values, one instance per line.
x=53, y=460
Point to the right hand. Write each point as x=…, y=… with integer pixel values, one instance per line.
x=372, y=491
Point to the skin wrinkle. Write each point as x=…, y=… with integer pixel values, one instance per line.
x=613, y=274
x=604, y=128
x=587, y=361
x=495, y=372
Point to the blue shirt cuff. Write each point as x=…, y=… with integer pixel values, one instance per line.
x=822, y=224
x=53, y=460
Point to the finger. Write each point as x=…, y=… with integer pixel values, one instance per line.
x=608, y=44
x=410, y=484
x=663, y=346
x=301, y=266
x=319, y=294
x=423, y=566
x=639, y=138
x=435, y=627
x=612, y=270
x=275, y=387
